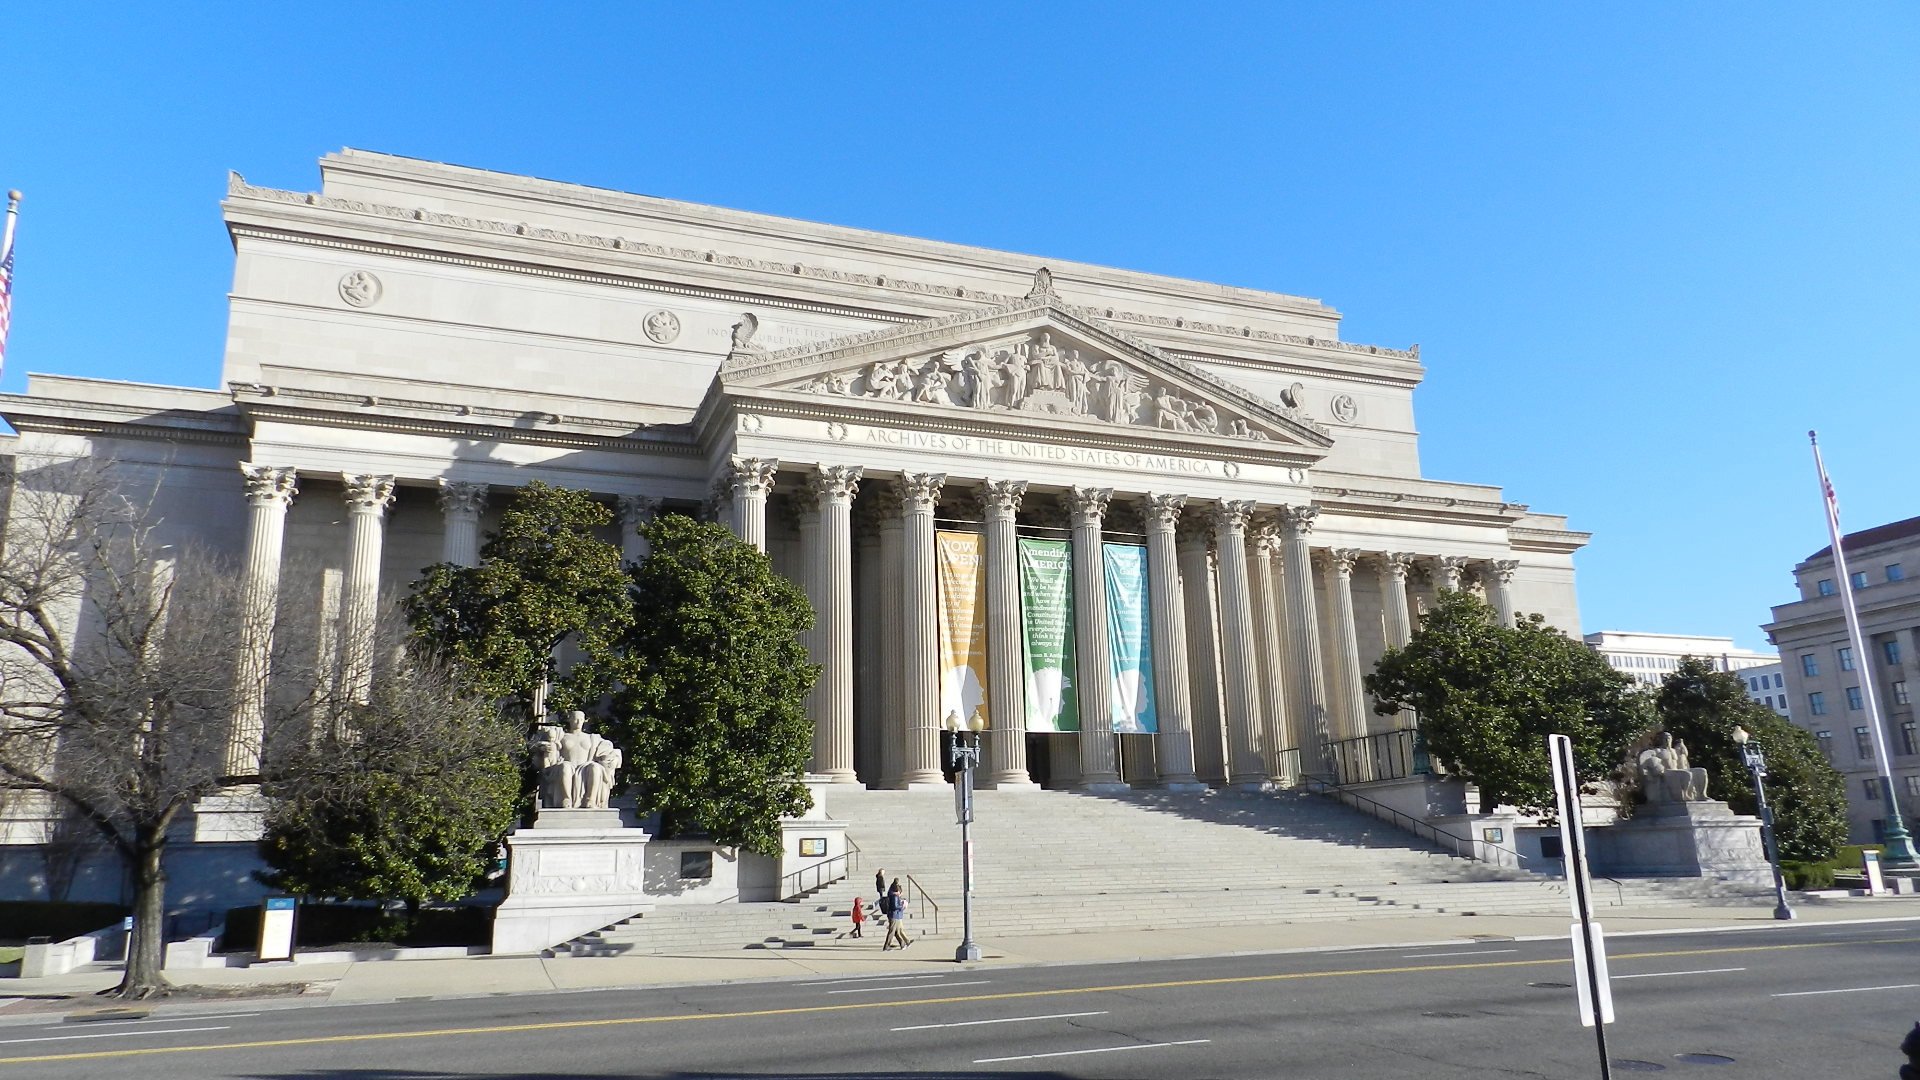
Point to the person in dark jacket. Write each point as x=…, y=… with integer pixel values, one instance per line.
x=895, y=909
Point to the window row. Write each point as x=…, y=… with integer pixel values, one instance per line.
x=1863, y=742
x=1858, y=578
x=1889, y=653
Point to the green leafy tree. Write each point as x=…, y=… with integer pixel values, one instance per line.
x=405, y=798
x=1489, y=695
x=1702, y=707
x=544, y=578
x=712, y=711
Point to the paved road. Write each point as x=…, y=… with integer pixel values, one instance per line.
x=1789, y=1001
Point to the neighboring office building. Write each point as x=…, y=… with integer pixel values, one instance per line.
x=1649, y=657
x=1825, y=678
x=1767, y=684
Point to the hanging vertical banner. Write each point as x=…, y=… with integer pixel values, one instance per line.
x=1129, y=639
x=963, y=625
x=1046, y=634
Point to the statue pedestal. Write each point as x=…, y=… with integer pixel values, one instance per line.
x=575, y=871
x=1682, y=839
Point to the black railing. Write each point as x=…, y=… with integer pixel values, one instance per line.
x=1465, y=847
x=1389, y=755
x=808, y=878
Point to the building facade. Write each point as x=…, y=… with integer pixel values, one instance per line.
x=1649, y=657
x=1825, y=679
x=1767, y=684
x=414, y=339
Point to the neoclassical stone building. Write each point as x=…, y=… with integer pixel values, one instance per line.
x=414, y=339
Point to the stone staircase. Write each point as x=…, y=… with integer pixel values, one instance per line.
x=1065, y=862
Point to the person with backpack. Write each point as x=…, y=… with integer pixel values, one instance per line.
x=896, y=913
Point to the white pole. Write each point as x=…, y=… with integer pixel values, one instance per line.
x=1899, y=844
x=13, y=216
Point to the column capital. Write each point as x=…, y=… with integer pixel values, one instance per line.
x=636, y=510
x=1001, y=498
x=1163, y=511
x=368, y=493
x=751, y=475
x=920, y=492
x=461, y=497
x=1343, y=560
x=268, y=484
x=1088, y=505
x=1230, y=516
x=1503, y=569
x=1397, y=563
x=1450, y=567
x=834, y=483
x=1264, y=533
x=1297, y=521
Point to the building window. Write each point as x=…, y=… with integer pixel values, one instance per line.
x=1826, y=586
x=1817, y=703
x=1859, y=579
x=1890, y=649
x=1879, y=831
x=1913, y=785
x=1779, y=680
x=1808, y=665
x=1825, y=739
x=1900, y=692
x=1854, y=701
x=1909, y=739
x=1894, y=573
x=1862, y=744
x=1872, y=787
x=1846, y=658
x=1769, y=701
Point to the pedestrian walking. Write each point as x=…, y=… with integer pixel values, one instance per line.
x=880, y=889
x=895, y=910
x=859, y=915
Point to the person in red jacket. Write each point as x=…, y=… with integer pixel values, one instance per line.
x=859, y=915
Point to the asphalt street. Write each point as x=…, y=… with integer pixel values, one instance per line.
x=1785, y=1001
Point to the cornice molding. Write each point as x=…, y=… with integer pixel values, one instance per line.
x=239, y=189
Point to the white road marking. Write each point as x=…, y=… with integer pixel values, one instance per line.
x=1849, y=990
x=114, y=1034
x=869, y=978
x=68, y=1026
x=1474, y=952
x=1664, y=974
x=1002, y=1020
x=1097, y=1050
x=942, y=986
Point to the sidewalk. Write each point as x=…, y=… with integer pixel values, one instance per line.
x=365, y=982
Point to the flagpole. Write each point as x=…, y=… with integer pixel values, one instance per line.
x=1899, y=844
x=13, y=215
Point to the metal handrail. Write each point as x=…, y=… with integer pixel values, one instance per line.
x=848, y=861
x=925, y=903
x=1424, y=829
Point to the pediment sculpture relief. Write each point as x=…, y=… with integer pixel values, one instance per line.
x=1035, y=374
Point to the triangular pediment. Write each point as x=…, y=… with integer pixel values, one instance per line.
x=1036, y=359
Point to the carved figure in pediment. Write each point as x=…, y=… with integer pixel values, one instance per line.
x=880, y=380
x=1043, y=372
x=1077, y=375
x=840, y=383
x=933, y=385
x=1204, y=419
x=1239, y=430
x=1013, y=379
x=971, y=387
x=1170, y=412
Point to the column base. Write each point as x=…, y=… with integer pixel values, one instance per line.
x=1250, y=782
x=1104, y=787
x=840, y=776
x=927, y=785
x=1014, y=782
x=1184, y=786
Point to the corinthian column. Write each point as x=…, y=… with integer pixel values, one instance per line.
x=460, y=506
x=1263, y=554
x=1447, y=570
x=893, y=633
x=1203, y=651
x=1500, y=584
x=269, y=491
x=1351, y=691
x=368, y=497
x=1006, y=686
x=1395, y=604
x=636, y=512
x=826, y=530
x=1168, y=620
x=920, y=673
x=1088, y=507
x=1242, y=718
x=1309, y=699
x=749, y=483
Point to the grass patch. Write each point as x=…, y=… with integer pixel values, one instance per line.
x=10, y=954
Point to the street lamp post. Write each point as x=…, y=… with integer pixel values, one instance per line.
x=1756, y=763
x=965, y=755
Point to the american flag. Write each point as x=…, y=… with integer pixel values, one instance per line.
x=6, y=274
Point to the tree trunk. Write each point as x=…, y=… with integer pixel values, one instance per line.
x=146, y=950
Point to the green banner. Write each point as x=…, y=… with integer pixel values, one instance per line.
x=1129, y=639
x=1046, y=634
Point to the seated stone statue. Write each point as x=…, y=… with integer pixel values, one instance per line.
x=1666, y=776
x=576, y=767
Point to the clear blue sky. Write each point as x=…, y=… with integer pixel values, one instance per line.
x=1643, y=247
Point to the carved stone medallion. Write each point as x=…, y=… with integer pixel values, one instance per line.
x=360, y=288
x=1344, y=408
x=662, y=326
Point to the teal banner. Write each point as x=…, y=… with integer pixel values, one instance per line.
x=1129, y=639
x=1046, y=632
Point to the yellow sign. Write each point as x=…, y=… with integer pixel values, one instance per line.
x=963, y=626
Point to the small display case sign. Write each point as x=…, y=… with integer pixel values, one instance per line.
x=1494, y=836
x=276, y=928
x=813, y=847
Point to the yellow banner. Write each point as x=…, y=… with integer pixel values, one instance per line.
x=963, y=625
